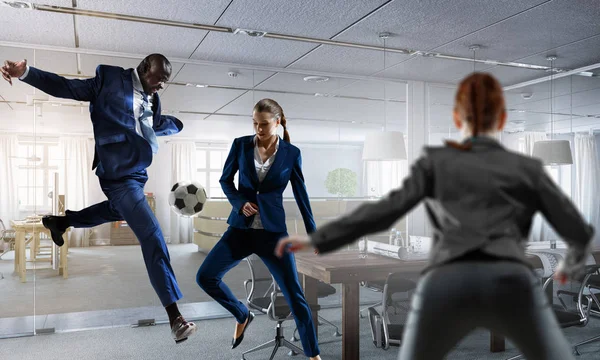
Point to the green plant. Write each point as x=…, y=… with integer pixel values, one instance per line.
x=341, y=182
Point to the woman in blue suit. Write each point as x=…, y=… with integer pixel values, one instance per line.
x=257, y=221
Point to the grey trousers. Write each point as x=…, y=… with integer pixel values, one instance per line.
x=506, y=297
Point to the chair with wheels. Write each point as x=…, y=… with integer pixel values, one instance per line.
x=265, y=296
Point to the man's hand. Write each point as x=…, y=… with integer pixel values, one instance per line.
x=293, y=244
x=13, y=69
x=249, y=209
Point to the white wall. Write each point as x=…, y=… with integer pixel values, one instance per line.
x=318, y=160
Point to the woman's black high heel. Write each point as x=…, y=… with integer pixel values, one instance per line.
x=236, y=342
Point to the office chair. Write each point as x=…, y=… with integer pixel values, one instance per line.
x=323, y=290
x=593, y=284
x=579, y=317
x=376, y=286
x=265, y=296
x=7, y=236
x=387, y=327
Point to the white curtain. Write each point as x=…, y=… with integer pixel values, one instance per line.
x=76, y=160
x=587, y=166
x=9, y=203
x=380, y=177
x=531, y=137
x=539, y=227
x=523, y=142
x=183, y=168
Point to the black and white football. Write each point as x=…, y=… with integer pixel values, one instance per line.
x=187, y=198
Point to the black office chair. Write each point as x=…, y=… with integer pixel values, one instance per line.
x=376, y=286
x=583, y=302
x=387, y=327
x=265, y=296
x=594, y=284
x=323, y=290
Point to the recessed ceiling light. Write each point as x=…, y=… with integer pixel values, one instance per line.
x=517, y=122
x=253, y=33
x=317, y=79
x=17, y=4
x=526, y=96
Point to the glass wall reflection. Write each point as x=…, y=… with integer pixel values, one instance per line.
x=358, y=138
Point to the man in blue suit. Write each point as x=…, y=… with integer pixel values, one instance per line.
x=125, y=113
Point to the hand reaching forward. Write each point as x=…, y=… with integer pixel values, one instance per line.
x=13, y=69
x=293, y=244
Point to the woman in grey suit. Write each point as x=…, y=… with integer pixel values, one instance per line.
x=480, y=199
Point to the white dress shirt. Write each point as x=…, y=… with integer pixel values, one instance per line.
x=138, y=98
x=262, y=168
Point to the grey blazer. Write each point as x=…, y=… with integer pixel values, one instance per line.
x=483, y=199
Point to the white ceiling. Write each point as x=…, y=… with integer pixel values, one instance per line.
x=508, y=30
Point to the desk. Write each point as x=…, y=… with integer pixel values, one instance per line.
x=23, y=228
x=348, y=269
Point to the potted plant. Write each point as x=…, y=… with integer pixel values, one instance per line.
x=341, y=182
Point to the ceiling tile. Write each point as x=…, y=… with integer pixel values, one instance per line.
x=310, y=18
x=572, y=56
x=429, y=69
x=218, y=75
x=307, y=107
x=374, y=89
x=89, y=63
x=54, y=61
x=347, y=60
x=242, y=49
x=554, y=23
x=184, y=98
x=136, y=38
x=38, y=27
x=423, y=25
x=194, y=11
x=295, y=82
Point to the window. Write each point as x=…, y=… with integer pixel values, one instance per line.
x=209, y=165
x=521, y=145
x=561, y=176
x=35, y=175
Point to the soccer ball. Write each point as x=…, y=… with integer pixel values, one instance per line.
x=187, y=198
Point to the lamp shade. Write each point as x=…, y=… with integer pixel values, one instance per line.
x=553, y=152
x=384, y=146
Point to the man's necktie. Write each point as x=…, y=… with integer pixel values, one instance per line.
x=146, y=120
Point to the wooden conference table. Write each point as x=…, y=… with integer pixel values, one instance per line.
x=348, y=269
